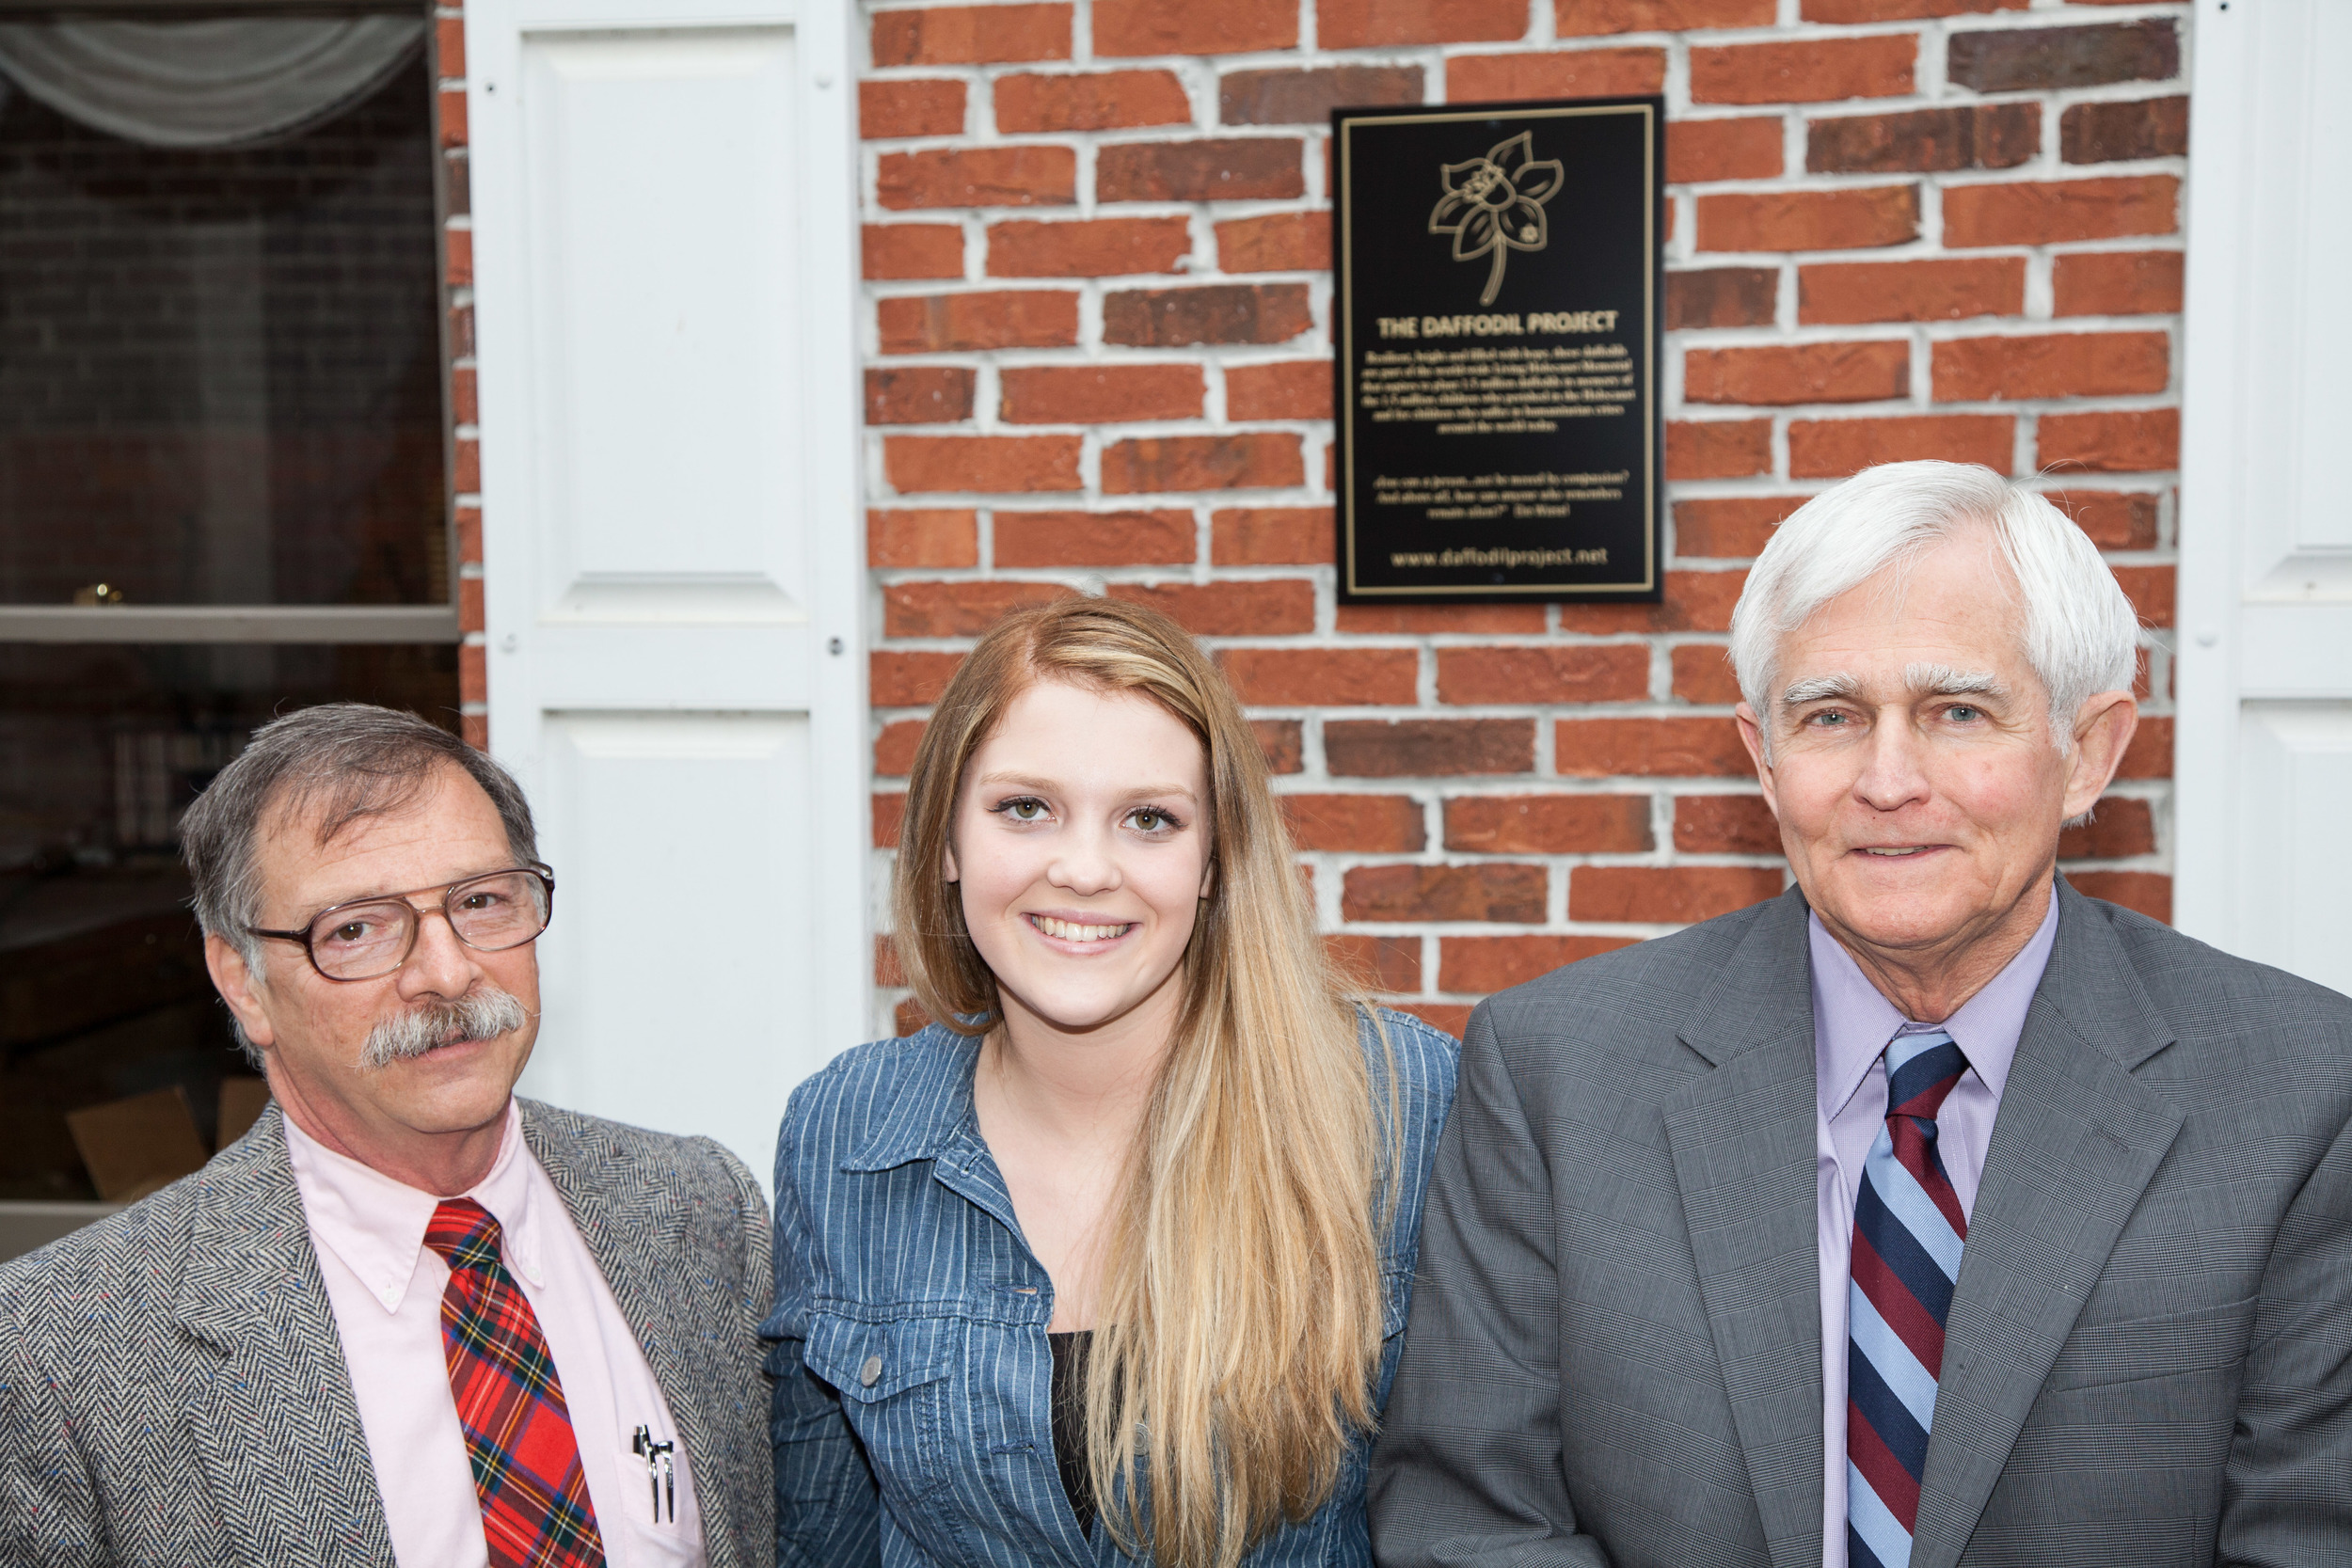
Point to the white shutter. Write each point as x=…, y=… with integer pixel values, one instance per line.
x=664, y=295
x=2264, y=767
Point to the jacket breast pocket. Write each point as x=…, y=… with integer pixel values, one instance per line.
x=891, y=1374
x=2186, y=1346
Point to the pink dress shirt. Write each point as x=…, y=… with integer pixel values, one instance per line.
x=1852, y=1025
x=386, y=1288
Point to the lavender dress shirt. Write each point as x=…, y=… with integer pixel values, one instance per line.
x=1852, y=1026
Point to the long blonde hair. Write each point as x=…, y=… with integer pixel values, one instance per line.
x=1239, y=1325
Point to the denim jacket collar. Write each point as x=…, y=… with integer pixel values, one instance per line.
x=934, y=1119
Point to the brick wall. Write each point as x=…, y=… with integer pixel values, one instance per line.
x=465, y=447
x=1095, y=243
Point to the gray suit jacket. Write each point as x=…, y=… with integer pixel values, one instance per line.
x=173, y=1392
x=1614, y=1353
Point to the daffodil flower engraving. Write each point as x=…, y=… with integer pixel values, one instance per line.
x=1494, y=205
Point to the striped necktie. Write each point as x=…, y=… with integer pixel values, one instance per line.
x=1908, y=1230
x=536, y=1512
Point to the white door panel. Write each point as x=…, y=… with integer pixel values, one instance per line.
x=664, y=295
x=2263, y=736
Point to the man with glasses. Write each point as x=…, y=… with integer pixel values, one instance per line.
x=408, y=1318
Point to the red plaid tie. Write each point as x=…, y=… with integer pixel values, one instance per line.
x=536, y=1512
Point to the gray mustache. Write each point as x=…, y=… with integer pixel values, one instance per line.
x=479, y=1014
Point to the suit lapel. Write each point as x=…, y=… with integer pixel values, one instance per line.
x=274, y=1424
x=1742, y=1142
x=2076, y=1142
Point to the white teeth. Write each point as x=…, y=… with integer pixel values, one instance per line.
x=1891, y=853
x=1071, y=931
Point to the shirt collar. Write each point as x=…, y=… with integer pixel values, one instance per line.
x=1854, y=1022
x=376, y=1225
x=929, y=1116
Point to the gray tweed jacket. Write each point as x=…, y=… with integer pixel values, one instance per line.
x=1615, y=1353
x=173, y=1392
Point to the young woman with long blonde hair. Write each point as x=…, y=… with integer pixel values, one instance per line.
x=1113, y=1260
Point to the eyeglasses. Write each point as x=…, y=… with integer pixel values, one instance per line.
x=369, y=938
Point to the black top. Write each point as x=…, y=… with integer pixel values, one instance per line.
x=1070, y=1422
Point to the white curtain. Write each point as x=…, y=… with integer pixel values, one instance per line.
x=206, y=84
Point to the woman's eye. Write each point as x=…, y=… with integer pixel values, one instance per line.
x=1151, y=819
x=1023, y=809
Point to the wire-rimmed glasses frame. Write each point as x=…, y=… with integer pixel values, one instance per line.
x=504, y=914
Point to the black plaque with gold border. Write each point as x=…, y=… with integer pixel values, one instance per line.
x=1498, y=278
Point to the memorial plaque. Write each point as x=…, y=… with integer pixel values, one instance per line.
x=1498, y=287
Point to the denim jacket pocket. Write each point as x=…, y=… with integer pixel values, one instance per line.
x=891, y=1374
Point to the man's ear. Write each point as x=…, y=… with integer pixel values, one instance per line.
x=2103, y=729
x=240, y=989
x=1752, y=736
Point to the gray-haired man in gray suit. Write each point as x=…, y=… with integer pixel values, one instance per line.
x=408, y=1317
x=1930, y=1213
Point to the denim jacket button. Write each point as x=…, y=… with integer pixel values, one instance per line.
x=869, y=1373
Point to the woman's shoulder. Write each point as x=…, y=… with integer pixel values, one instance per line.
x=1422, y=1056
x=865, y=1083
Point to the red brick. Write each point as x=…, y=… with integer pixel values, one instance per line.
x=451, y=105
x=1717, y=449
x=1227, y=168
x=1377, y=963
x=976, y=176
x=1815, y=71
x=2119, y=827
x=908, y=1018
x=1936, y=289
x=1547, y=825
x=2151, y=588
x=1649, y=747
x=1450, y=1017
x=2052, y=365
x=894, y=748
x=1283, y=742
x=1809, y=220
x=1278, y=241
x=1428, y=747
x=1293, y=97
x=1193, y=26
x=461, y=332
x=2149, y=754
x=1503, y=892
x=998, y=318
x=458, y=246
x=1099, y=394
x=474, y=728
x=958, y=609
x=1677, y=894
x=449, y=49
x=1904, y=10
x=2117, y=283
x=1832, y=448
x=2114, y=519
x=473, y=675
x=1551, y=673
x=889, y=815
x=971, y=35
x=470, y=611
x=1503, y=619
x=1484, y=964
x=1282, y=607
x=469, y=534
x=1093, y=538
x=465, y=395
x=1326, y=677
x=1797, y=372
x=1695, y=601
x=895, y=251
x=1702, y=674
x=1098, y=247
x=922, y=538
x=1214, y=313
x=2052, y=212
x=466, y=458
x=1702, y=149
x=888, y=971
x=2148, y=892
x=1091, y=101
x=2044, y=59
x=1272, y=536
x=1361, y=824
x=1364, y=23
x=1554, y=73
x=2112, y=133
x=1984, y=135
x=1154, y=464
x=1724, y=825
x=887, y=109
x=1729, y=527
x=2140, y=441
x=908, y=679
x=920, y=394
x=1573, y=17
x=996, y=464
x=1295, y=389
x=1721, y=297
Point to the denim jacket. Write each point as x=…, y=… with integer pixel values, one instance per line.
x=912, y=1410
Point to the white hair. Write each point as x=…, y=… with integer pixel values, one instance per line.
x=2080, y=633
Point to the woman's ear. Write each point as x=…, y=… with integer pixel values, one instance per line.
x=947, y=858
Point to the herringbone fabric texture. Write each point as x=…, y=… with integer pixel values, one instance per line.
x=536, y=1512
x=1908, y=1232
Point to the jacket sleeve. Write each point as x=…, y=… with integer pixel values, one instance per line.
x=50, y=1515
x=828, y=1505
x=1467, y=1470
x=2284, y=1499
